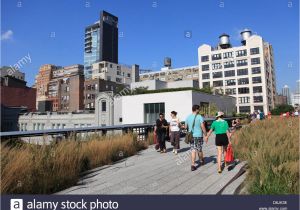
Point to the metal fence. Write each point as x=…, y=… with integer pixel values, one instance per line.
x=141, y=130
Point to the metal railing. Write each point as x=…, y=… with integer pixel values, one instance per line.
x=140, y=129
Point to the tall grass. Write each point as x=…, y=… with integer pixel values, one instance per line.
x=44, y=169
x=271, y=148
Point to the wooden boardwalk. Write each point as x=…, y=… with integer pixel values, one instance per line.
x=150, y=172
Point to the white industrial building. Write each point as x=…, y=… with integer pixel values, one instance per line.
x=246, y=72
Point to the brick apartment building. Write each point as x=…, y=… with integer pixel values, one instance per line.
x=60, y=88
x=16, y=97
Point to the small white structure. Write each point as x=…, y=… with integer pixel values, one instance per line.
x=145, y=108
x=129, y=109
x=158, y=84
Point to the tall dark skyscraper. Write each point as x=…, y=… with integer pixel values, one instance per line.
x=101, y=42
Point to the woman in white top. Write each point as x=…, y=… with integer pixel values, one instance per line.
x=174, y=129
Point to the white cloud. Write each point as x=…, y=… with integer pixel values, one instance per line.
x=7, y=35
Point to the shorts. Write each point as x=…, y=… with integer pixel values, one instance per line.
x=197, y=143
x=222, y=140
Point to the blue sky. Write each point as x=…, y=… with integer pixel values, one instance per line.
x=152, y=30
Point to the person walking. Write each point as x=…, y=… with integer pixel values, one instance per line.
x=161, y=130
x=174, y=130
x=195, y=124
x=221, y=129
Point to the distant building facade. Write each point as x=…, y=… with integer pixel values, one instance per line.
x=101, y=42
x=280, y=100
x=92, y=88
x=295, y=97
x=286, y=92
x=121, y=74
x=12, y=72
x=60, y=88
x=170, y=74
x=16, y=98
x=246, y=72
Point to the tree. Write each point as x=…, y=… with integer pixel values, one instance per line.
x=212, y=110
x=282, y=109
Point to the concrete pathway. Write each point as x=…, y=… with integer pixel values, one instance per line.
x=150, y=172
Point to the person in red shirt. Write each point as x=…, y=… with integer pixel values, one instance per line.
x=269, y=115
x=287, y=114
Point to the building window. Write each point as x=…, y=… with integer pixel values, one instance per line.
x=243, y=62
x=227, y=55
x=206, y=84
x=205, y=67
x=244, y=109
x=256, y=70
x=242, y=72
x=152, y=110
x=217, y=74
x=230, y=91
x=216, y=66
x=256, y=80
x=240, y=53
x=257, y=89
x=205, y=76
x=230, y=82
x=34, y=126
x=204, y=58
x=254, y=51
x=255, y=61
x=243, y=90
x=244, y=100
x=230, y=73
x=257, y=99
x=228, y=64
x=243, y=81
x=108, y=78
x=260, y=108
x=119, y=80
x=218, y=83
x=128, y=75
x=103, y=106
x=216, y=57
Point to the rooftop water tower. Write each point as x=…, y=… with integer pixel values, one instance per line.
x=167, y=62
x=224, y=42
x=246, y=33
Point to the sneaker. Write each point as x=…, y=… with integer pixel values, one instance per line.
x=193, y=168
x=164, y=151
x=175, y=152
